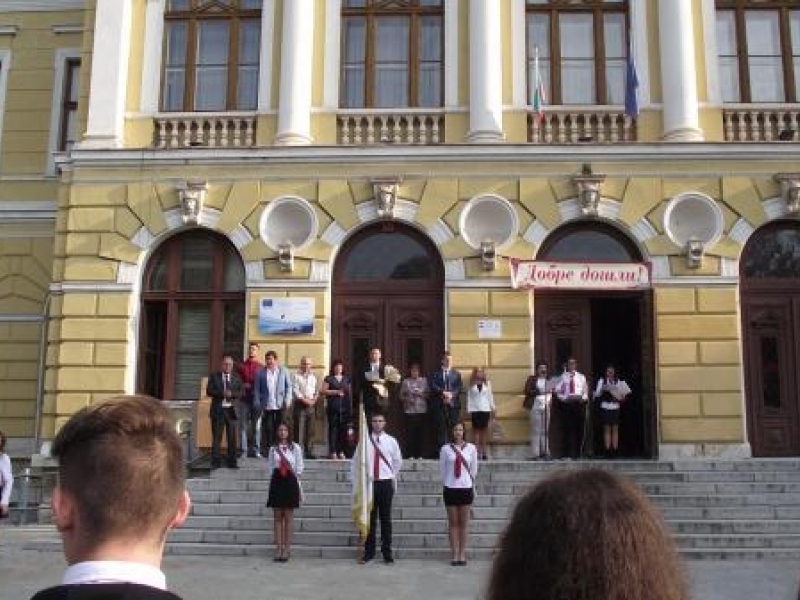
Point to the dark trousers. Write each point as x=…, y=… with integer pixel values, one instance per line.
x=270, y=419
x=223, y=419
x=337, y=430
x=383, y=492
x=572, y=421
x=415, y=429
x=444, y=417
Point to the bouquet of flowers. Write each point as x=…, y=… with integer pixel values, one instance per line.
x=391, y=375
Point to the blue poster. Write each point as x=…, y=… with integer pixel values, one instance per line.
x=286, y=316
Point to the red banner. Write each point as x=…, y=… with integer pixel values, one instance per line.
x=540, y=274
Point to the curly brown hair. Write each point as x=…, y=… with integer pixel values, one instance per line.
x=586, y=535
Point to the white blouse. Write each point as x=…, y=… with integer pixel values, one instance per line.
x=480, y=400
x=294, y=455
x=6, y=479
x=447, y=464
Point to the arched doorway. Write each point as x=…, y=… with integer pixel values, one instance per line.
x=770, y=302
x=192, y=313
x=599, y=328
x=388, y=285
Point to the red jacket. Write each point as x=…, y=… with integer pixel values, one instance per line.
x=247, y=372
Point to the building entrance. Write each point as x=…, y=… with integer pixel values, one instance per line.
x=599, y=328
x=388, y=294
x=598, y=331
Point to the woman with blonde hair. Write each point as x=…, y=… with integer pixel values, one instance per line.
x=586, y=535
x=480, y=405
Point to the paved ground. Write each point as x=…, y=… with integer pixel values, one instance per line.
x=22, y=572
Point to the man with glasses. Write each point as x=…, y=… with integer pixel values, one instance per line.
x=305, y=390
x=225, y=388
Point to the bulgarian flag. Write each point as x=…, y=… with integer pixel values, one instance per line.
x=539, y=97
x=362, y=479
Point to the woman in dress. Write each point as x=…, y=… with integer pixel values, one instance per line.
x=458, y=461
x=414, y=394
x=336, y=389
x=285, y=463
x=480, y=405
x=6, y=478
x=610, y=391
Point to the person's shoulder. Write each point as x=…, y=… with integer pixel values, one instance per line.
x=105, y=591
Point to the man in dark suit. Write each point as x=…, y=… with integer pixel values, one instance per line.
x=120, y=489
x=225, y=388
x=371, y=372
x=444, y=403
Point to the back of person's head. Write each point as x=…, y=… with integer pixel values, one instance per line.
x=586, y=535
x=121, y=465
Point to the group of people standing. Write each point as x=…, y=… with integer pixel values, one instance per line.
x=571, y=389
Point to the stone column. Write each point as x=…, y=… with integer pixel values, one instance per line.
x=109, y=78
x=678, y=74
x=153, y=43
x=297, y=53
x=485, y=72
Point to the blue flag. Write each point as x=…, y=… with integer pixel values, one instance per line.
x=631, y=88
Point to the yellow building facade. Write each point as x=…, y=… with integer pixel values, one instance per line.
x=383, y=163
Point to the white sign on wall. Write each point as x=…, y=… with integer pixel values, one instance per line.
x=285, y=316
x=490, y=329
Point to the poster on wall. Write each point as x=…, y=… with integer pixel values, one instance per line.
x=286, y=316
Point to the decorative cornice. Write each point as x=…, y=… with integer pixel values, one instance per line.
x=517, y=156
x=89, y=287
x=20, y=318
x=41, y=5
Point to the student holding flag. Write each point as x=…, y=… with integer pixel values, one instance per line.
x=375, y=466
x=285, y=465
x=458, y=461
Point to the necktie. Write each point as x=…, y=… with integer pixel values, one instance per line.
x=572, y=383
x=376, y=462
x=225, y=381
x=284, y=468
x=444, y=378
x=459, y=460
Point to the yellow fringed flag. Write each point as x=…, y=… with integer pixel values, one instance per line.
x=362, y=479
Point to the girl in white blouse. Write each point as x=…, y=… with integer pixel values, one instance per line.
x=480, y=405
x=458, y=461
x=285, y=465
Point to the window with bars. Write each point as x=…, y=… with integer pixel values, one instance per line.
x=211, y=55
x=582, y=46
x=758, y=45
x=392, y=53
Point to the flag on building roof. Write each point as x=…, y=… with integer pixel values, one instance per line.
x=539, y=97
x=362, y=480
x=631, y=87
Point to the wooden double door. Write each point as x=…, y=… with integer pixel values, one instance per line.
x=772, y=350
x=598, y=330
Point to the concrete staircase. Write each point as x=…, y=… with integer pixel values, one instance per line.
x=747, y=509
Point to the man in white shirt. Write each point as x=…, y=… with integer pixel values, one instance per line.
x=384, y=461
x=121, y=488
x=305, y=390
x=573, y=393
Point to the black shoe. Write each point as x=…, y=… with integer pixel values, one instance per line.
x=454, y=563
x=365, y=559
x=233, y=466
x=215, y=464
x=388, y=560
x=251, y=454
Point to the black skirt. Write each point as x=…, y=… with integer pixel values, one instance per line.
x=284, y=492
x=609, y=416
x=480, y=420
x=458, y=496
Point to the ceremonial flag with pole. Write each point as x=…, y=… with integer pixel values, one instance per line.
x=362, y=479
x=539, y=97
x=631, y=87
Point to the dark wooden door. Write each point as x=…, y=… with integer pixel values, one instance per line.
x=772, y=348
x=388, y=294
